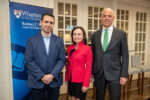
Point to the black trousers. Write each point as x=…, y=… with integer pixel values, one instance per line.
x=46, y=93
x=114, y=88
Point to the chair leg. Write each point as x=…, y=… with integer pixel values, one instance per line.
x=139, y=83
x=142, y=82
x=67, y=97
x=124, y=90
x=94, y=91
x=128, y=85
x=131, y=76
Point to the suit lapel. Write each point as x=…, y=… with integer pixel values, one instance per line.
x=41, y=43
x=112, y=39
x=99, y=39
x=52, y=44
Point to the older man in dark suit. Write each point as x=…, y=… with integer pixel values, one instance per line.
x=110, y=58
x=45, y=58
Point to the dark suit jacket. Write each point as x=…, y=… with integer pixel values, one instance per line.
x=114, y=61
x=40, y=63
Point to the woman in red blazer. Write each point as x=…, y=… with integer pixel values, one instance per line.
x=78, y=70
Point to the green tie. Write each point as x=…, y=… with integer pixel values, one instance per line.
x=105, y=42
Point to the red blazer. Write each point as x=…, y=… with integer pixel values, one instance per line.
x=79, y=64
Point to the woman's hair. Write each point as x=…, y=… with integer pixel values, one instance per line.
x=84, y=34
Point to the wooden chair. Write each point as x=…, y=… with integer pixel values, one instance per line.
x=136, y=63
x=131, y=72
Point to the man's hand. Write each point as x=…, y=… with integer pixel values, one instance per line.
x=123, y=80
x=47, y=78
x=43, y=80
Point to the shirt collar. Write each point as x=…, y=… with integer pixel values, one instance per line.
x=45, y=36
x=109, y=28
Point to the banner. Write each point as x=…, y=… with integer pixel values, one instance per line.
x=24, y=23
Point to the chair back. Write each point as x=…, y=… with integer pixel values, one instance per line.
x=135, y=60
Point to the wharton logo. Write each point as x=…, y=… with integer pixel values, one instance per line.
x=26, y=15
x=17, y=13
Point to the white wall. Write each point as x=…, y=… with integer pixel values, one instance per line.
x=5, y=60
x=139, y=3
x=148, y=42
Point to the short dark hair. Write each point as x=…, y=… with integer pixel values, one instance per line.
x=47, y=14
x=84, y=34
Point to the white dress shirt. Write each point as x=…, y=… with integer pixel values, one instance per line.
x=110, y=30
x=46, y=41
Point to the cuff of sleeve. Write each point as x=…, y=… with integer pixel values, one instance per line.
x=124, y=75
x=55, y=77
x=39, y=77
x=85, y=85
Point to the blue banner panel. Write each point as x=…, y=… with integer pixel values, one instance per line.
x=24, y=23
